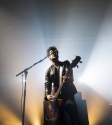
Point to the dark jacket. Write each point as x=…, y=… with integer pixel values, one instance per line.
x=52, y=76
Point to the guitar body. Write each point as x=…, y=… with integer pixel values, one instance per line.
x=52, y=110
x=52, y=107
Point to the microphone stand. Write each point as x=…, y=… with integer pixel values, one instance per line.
x=25, y=71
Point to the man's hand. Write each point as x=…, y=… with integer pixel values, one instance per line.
x=50, y=97
x=67, y=79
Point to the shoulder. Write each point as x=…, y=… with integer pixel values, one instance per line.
x=67, y=62
x=49, y=69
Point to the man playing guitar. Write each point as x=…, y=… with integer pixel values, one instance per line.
x=68, y=89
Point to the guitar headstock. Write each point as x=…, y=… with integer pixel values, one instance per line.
x=76, y=61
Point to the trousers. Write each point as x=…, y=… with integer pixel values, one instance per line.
x=71, y=109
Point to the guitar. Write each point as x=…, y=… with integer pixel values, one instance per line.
x=52, y=105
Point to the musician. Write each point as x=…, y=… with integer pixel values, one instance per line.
x=68, y=90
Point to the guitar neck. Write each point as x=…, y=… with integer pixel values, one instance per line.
x=59, y=89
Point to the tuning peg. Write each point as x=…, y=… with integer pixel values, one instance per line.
x=80, y=61
x=77, y=66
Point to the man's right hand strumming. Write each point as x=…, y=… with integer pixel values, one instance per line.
x=50, y=97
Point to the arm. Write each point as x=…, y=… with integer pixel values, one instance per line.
x=48, y=82
x=70, y=77
x=71, y=89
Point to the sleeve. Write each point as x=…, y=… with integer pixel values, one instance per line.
x=67, y=65
x=47, y=83
x=71, y=89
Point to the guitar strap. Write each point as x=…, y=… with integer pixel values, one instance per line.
x=60, y=75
